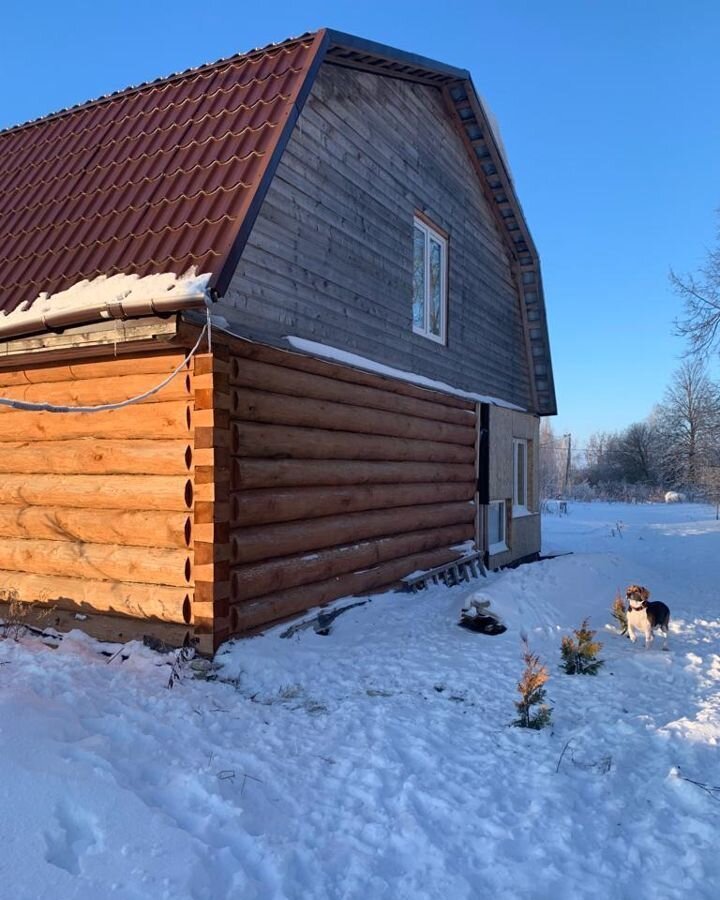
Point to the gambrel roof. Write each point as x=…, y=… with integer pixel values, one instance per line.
x=169, y=176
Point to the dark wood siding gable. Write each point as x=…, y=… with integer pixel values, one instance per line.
x=330, y=255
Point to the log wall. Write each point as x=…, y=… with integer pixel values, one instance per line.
x=256, y=485
x=340, y=482
x=97, y=509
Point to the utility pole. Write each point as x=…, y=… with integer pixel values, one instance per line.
x=567, y=464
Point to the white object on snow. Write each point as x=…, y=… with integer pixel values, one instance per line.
x=478, y=604
x=674, y=497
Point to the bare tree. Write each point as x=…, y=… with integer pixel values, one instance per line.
x=603, y=458
x=710, y=483
x=689, y=425
x=553, y=452
x=700, y=294
x=638, y=452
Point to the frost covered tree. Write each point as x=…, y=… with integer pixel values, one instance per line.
x=553, y=454
x=615, y=460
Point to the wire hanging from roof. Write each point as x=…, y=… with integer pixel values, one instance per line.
x=28, y=406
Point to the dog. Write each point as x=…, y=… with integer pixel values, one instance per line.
x=645, y=615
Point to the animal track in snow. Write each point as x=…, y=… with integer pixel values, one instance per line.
x=74, y=834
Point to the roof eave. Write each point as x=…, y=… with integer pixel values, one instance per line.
x=340, y=39
x=102, y=312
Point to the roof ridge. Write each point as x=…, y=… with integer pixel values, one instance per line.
x=155, y=82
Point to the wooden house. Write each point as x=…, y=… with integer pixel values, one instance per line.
x=366, y=402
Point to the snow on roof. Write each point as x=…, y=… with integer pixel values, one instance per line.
x=369, y=365
x=114, y=297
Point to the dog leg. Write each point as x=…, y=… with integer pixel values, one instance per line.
x=631, y=633
x=648, y=638
x=665, y=637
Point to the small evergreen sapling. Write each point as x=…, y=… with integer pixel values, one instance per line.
x=619, y=613
x=579, y=654
x=533, y=713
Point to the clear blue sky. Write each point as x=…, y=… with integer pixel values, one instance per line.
x=610, y=112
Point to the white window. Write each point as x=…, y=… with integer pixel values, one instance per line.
x=496, y=527
x=429, y=282
x=520, y=477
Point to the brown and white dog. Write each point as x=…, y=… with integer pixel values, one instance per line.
x=644, y=615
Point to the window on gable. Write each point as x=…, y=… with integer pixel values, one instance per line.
x=520, y=476
x=429, y=282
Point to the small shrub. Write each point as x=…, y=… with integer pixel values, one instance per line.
x=579, y=654
x=619, y=613
x=532, y=711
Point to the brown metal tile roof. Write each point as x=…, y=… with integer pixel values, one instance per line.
x=171, y=174
x=157, y=178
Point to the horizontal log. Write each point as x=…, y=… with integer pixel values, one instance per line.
x=170, y=492
x=95, y=391
x=302, y=363
x=260, y=507
x=246, y=615
x=136, y=528
x=265, y=473
x=271, y=541
x=96, y=457
x=277, y=409
x=252, y=581
x=143, y=601
x=107, y=562
x=264, y=376
x=285, y=442
x=156, y=420
x=143, y=364
x=107, y=628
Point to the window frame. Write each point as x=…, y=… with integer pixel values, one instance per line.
x=520, y=503
x=432, y=232
x=500, y=546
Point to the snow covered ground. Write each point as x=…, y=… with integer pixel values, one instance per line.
x=377, y=762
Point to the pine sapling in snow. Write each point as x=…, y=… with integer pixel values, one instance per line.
x=533, y=713
x=619, y=613
x=579, y=654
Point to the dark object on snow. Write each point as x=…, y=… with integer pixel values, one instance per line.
x=477, y=616
x=322, y=621
x=485, y=624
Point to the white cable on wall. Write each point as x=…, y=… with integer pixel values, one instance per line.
x=105, y=407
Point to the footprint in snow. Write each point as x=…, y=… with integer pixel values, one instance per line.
x=73, y=834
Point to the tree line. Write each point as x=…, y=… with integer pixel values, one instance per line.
x=677, y=447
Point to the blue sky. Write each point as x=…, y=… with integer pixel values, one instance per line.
x=609, y=112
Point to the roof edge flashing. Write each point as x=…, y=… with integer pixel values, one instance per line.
x=343, y=40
